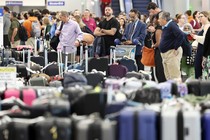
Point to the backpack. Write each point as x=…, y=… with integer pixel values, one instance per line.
x=36, y=30
x=22, y=33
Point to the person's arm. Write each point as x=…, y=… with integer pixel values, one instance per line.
x=79, y=34
x=201, y=39
x=142, y=34
x=97, y=32
x=206, y=45
x=157, y=38
x=111, y=32
x=14, y=33
x=179, y=36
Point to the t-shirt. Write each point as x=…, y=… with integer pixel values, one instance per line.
x=14, y=24
x=107, y=25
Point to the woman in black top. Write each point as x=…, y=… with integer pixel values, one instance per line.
x=159, y=71
x=206, y=50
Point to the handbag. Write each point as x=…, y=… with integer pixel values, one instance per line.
x=148, y=56
x=55, y=39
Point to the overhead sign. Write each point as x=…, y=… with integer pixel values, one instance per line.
x=7, y=77
x=22, y=2
x=1, y=27
x=14, y=3
x=56, y=3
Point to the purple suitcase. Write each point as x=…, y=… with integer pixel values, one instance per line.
x=116, y=70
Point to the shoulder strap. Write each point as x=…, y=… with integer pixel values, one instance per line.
x=61, y=26
x=194, y=23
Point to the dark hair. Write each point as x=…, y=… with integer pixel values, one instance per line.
x=152, y=5
x=31, y=13
x=19, y=16
x=53, y=13
x=194, y=13
x=25, y=15
x=6, y=8
x=45, y=11
x=14, y=14
x=188, y=12
x=134, y=11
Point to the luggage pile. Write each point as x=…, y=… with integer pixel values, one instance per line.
x=99, y=98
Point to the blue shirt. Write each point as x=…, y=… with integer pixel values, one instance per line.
x=172, y=37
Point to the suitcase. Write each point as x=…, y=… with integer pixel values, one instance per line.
x=115, y=70
x=194, y=87
x=52, y=56
x=169, y=125
x=54, y=106
x=4, y=128
x=136, y=123
x=90, y=103
x=134, y=74
x=91, y=129
x=38, y=81
x=95, y=79
x=129, y=63
x=100, y=64
x=26, y=95
x=52, y=69
x=53, y=129
x=38, y=60
x=148, y=123
x=72, y=79
x=192, y=125
x=19, y=131
x=128, y=124
x=206, y=125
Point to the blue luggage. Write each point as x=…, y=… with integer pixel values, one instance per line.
x=137, y=124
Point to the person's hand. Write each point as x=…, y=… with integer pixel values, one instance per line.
x=203, y=62
x=193, y=36
x=128, y=42
x=77, y=43
x=151, y=29
x=58, y=33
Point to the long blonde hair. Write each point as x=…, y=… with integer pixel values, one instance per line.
x=79, y=21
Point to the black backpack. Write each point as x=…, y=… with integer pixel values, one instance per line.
x=22, y=33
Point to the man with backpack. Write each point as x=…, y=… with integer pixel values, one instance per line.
x=33, y=28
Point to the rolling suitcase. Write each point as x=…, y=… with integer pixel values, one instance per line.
x=129, y=63
x=53, y=129
x=26, y=95
x=134, y=74
x=38, y=60
x=206, y=125
x=192, y=125
x=91, y=129
x=19, y=131
x=136, y=123
x=169, y=121
x=115, y=70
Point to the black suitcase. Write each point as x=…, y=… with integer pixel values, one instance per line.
x=52, y=70
x=38, y=60
x=95, y=79
x=53, y=129
x=19, y=131
x=129, y=63
x=100, y=64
